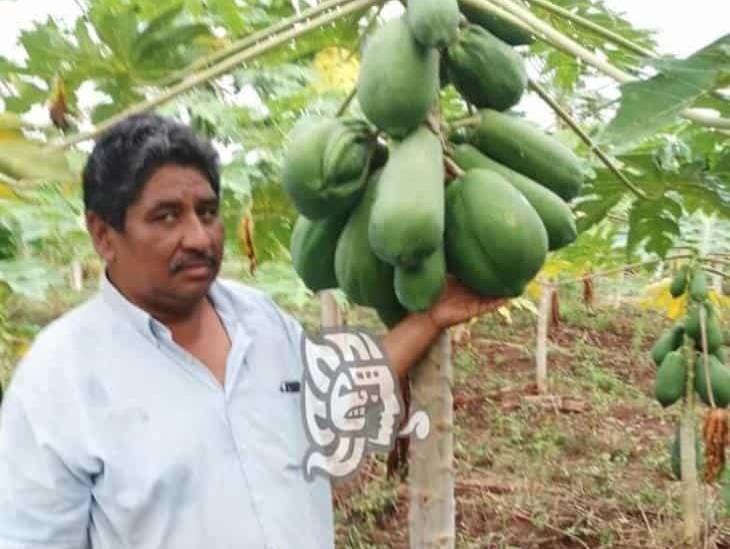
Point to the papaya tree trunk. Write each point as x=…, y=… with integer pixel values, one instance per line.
x=543, y=320
x=330, y=312
x=431, y=460
x=688, y=455
x=77, y=276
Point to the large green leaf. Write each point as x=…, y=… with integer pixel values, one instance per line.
x=29, y=277
x=648, y=106
x=654, y=225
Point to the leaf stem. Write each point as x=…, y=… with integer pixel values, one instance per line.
x=218, y=70
x=597, y=29
x=593, y=147
x=252, y=39
x=715, y=271
x=523, y=18
x=624, y=268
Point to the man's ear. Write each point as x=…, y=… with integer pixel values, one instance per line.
x=101, y=236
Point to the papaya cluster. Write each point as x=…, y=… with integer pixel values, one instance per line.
x=380, y=216
x=668, y=353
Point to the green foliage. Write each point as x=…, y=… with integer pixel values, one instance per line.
x=648, y=106
x=569, y=75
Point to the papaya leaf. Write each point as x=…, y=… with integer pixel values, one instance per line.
x=654, y=225
x=31, y=278
x=649, y=106
x=22, y=159
x=598, y=197
x=274, y=217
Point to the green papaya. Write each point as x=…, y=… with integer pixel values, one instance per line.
x=434, y=23
x=495, y=242
x=679, y=282
x=407, y=221
x=326, y=165
x=671, y=379
x=555, y=214
x=671, y=340
x=698, y=285
x=399, y=79
x=504, y=30
x=720, y=354
x=419, y=287
x=526, y=149
x=487, y=72
x=365, y=279
x=719, y=380
x=391, y=315
x=313, y=245
x=676, y=455
x=713, y=331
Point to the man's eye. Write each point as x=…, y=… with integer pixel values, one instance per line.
x=168, y=217
x=210, y=213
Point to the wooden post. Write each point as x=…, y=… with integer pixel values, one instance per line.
x=431, y=467
x=543, y=320
x=77, y=276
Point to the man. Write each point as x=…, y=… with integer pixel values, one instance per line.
x=151, y=416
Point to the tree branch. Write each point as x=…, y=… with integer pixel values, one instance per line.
x=608, y=162
x=597, y=29
x=251, y=40
x=218, y=70
x=523, y=18
x=622, y=269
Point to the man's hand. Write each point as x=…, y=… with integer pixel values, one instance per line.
x=458, y=304
x=406, y=343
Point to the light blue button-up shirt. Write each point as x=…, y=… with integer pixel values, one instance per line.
x=112, y=436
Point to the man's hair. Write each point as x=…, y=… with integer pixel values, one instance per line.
x=125, y=156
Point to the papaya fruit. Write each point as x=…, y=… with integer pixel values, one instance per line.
x=671, y=340
x=418, y=288
x=671, y=379
x=313, y=245
x=326, y=165
x=398, y=81
x=679, y=281
x=407, y=219
x=434, y=23
x=719, y=380
x=365, y=279
x=713, y=331
x=676, y=454
x=698, y=285
x=391, y=315
x=555, y=214
x=487, y=72
x=504, y=30
x=720, y=354
x=495, y=241
x=526, y=149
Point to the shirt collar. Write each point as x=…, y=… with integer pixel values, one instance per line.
x=145, y=323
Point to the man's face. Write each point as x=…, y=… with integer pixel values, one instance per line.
x=172, y=246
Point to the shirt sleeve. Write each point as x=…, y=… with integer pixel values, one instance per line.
x=45, y=492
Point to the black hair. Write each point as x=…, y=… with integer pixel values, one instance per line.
x=125, y=156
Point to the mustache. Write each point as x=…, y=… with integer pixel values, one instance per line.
x=193, y=260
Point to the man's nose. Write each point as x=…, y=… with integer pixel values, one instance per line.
x=196, y=235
